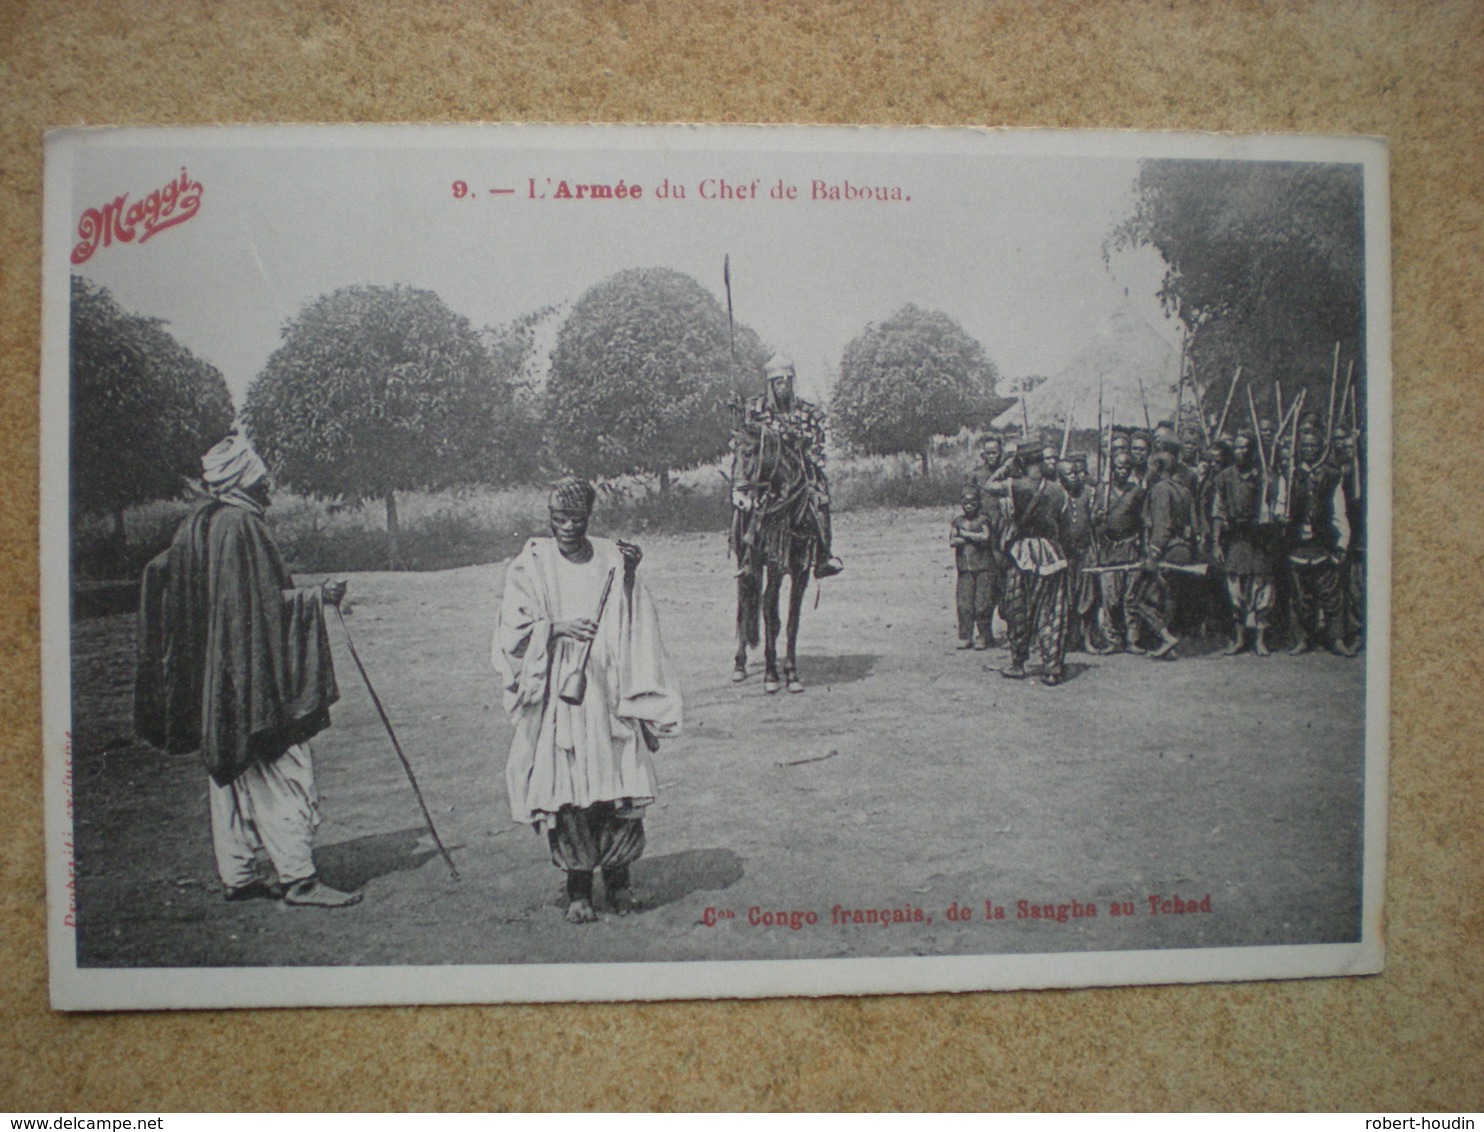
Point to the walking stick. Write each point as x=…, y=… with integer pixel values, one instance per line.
x=396, y=746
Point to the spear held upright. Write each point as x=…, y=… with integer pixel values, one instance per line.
x=1099, y=438
x=726, y=278
x=1334, y=380
x=1221, y=424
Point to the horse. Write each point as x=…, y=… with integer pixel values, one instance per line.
x=776, y=537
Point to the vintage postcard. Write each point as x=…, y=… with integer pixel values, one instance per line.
x=511, y=563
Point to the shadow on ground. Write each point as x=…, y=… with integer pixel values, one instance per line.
x=349, y=865
x=664, y=880
x=836, y=669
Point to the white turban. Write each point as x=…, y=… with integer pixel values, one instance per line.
x=232, y=465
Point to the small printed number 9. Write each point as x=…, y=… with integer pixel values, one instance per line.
x=460, y=190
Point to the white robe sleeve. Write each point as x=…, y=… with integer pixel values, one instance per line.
x=647, y=689
x=521, y=652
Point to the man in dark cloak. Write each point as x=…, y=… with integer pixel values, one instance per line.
x=234, y=661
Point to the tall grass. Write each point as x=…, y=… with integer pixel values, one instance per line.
x=444, y=530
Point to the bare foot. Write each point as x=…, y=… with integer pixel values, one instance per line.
x=622, y=901
x=255, y=890
x=580, y=911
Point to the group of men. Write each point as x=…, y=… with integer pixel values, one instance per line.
x=234, y=663
x=234, y=658
x=1253, y=535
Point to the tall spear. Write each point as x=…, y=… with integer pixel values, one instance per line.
x=1265, y=507
x=1298, y=407
x=1180, y=381
x=1334, y=379
x=1221, y=424
x=1256, y=432
x=726, y=278
x=1329, y=433
x=1066, y=436
x=1200, y=405
x=1179, y=398
x=1099, y=438
x=1144, y=400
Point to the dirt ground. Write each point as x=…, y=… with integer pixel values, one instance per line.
x=909, y=777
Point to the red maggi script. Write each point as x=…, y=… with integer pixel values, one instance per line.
x=164, y=208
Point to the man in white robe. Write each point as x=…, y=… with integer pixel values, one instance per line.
x=581, y=772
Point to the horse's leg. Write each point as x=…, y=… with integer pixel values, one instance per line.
x=746, y=620
x=771, y=625
x=798, y=586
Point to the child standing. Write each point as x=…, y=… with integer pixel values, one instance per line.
x=972, y=539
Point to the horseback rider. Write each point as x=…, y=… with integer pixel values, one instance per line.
x=798, y=425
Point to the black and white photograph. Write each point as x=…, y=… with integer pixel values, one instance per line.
x=514, y=563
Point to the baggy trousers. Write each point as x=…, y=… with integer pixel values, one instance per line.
x=1036, y=610
x=273, y=806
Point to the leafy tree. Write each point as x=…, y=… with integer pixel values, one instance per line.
x=520, y=356
x=1265, y=265
x=144, y=408
x=377, y=390
x=913, y=377
x=638, y=370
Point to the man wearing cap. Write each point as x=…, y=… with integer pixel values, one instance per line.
x=1117, y=525
x=1245, y=545
x=800, y=425
x=1082, y=587
x=1169, y=540
x=1211, y=595
x=234, y=661
x=1318, y=542
x=1036, y=584
x=589, y=692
